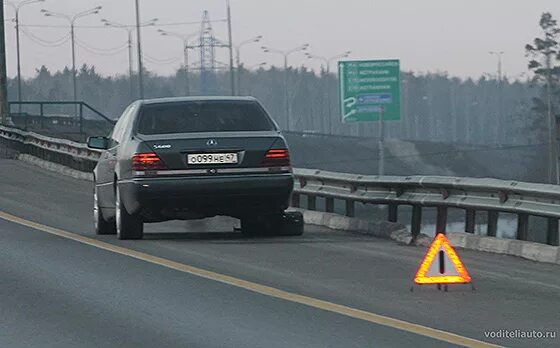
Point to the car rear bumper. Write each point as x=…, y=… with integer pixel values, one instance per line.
x=206, y=192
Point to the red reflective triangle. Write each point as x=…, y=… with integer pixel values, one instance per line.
x=458, y=275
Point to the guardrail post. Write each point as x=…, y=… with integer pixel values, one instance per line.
x=492, y=223
x=416, y=222
x=295, y=200
x=552, y=237
x=329, y=204
x=470, y=220
x=311, y=202
x=81, y=119
x=393, y=212
x=522, y=226
x=350, y=208
x=441, y=222
x=42, y=114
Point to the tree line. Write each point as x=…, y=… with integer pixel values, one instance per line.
x=435, y=106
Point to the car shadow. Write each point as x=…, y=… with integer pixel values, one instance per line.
x=238, y=238
x=194, y=235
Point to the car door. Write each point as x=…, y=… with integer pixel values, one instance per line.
x=105, y=173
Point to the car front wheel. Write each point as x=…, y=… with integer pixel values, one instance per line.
x=128, y=226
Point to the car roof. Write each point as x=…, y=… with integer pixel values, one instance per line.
x=196, y=99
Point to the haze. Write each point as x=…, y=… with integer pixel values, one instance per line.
x=430, y=35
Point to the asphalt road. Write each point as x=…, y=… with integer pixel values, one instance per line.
x=64, y=291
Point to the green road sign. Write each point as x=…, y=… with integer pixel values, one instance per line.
x=368, y=88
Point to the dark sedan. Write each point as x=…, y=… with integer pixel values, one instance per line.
x=193, y=158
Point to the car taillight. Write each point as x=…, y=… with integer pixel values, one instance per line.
x=147, y=161
x=276, y=157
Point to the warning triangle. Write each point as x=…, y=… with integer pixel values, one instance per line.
x=441, y=265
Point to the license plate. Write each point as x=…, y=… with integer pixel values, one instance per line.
x=211, y=158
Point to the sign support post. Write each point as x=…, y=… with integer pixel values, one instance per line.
x=381, y=144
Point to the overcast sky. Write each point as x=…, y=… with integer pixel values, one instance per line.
x=428, y=35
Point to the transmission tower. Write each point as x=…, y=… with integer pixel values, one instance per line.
x=207, y=56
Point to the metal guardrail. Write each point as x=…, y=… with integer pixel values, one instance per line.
x=66, y=152
x=74, y=124
x=471, y=194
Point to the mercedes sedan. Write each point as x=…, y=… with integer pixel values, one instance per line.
x=193, y=158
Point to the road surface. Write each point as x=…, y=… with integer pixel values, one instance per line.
x=199, y=284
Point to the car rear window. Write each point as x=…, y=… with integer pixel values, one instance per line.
x=205, y=116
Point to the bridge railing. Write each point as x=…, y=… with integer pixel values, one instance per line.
x=473, y=195
x=73, y=120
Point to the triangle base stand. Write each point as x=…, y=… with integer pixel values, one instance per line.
x=444, y=287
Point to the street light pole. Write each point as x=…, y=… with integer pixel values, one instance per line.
x=73, y=61
x=18, y=61
x=499, y=122
x=328, y=62
x=285, y=54
x=230, y=46
x=129, y=29
x=499, y=56
x=130, y=69
x=72, y=20
x=186, y=67
x=3, y=79
x=16, y=8
x=185, y=40
x=139, y=46
x=238, y=59
x=286, y=94
x=553, y=165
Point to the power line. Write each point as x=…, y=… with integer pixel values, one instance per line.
x=45, y=43
x=154, y=60
x=105, y=27
x=106, y=50
x=100, y=53
x=189, y=23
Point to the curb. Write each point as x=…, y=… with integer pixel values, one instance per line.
x=54, y=167
x=381, y=229
x=397, y=232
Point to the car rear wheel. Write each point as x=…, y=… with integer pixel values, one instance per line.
x=292, y=224
x=264, y=225
x=102, y=226
x=282, y=224
x=128, y=226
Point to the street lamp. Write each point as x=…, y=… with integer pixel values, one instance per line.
x=285, y=54
x=17, y=7
x=129, y=29
x=238, y=58
x=260, y=65
x=498, y=54
x=185, y=39
x=72, y=20
x=329, y=59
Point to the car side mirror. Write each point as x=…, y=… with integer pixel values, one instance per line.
x=99, y=143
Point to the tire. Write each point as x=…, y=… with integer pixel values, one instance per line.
x=266, y=225
x=102, y=226
x=128, y=226
x=292, y=224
